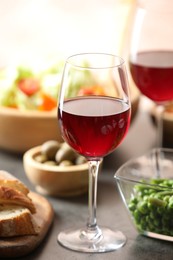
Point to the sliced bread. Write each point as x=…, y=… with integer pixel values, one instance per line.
x=16, y=208
x=9, y=196
x=8, y=180
x=16, y=221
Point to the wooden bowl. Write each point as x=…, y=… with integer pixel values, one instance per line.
x=55, y=180
x=22, y=130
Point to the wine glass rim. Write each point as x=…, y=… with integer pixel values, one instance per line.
x=119, y=59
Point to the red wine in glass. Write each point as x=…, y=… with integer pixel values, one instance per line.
x=94, y=126
x=152, y=72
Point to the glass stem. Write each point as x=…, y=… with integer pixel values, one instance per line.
x=92, y=232
x=92, y=195
x=160, y=111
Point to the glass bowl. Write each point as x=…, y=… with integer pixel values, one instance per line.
x=146, y=188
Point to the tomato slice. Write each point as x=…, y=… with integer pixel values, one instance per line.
x=91, y=90
x=29, y=86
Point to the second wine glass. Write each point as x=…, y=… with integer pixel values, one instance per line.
x=94, y=116
x=151, y=53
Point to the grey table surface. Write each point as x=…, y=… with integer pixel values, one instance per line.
x=110, y=212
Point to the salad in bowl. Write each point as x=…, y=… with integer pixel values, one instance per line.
x=28, y=102
x=25, y=88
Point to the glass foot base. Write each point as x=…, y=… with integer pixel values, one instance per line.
x=107, y=241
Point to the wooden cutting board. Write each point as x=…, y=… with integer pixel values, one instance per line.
x=22, y=245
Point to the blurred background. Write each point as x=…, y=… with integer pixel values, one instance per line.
x=42, y=33
x=38, y=29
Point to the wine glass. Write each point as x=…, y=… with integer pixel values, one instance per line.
x=94, y=116
x=151, y=53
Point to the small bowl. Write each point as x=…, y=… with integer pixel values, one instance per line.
x=146, y=188
x=22, y=130
x=63, y=181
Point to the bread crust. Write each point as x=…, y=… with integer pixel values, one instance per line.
x=14, y=197
x=8, y=180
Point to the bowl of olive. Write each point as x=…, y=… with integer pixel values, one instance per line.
x=146, y=188
x=56, y=170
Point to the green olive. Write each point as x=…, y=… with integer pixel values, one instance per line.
x=50, y=163
x=80, y=160
x=65, y=153
x=50, y=149
x=65, y=163
x=41, y=158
